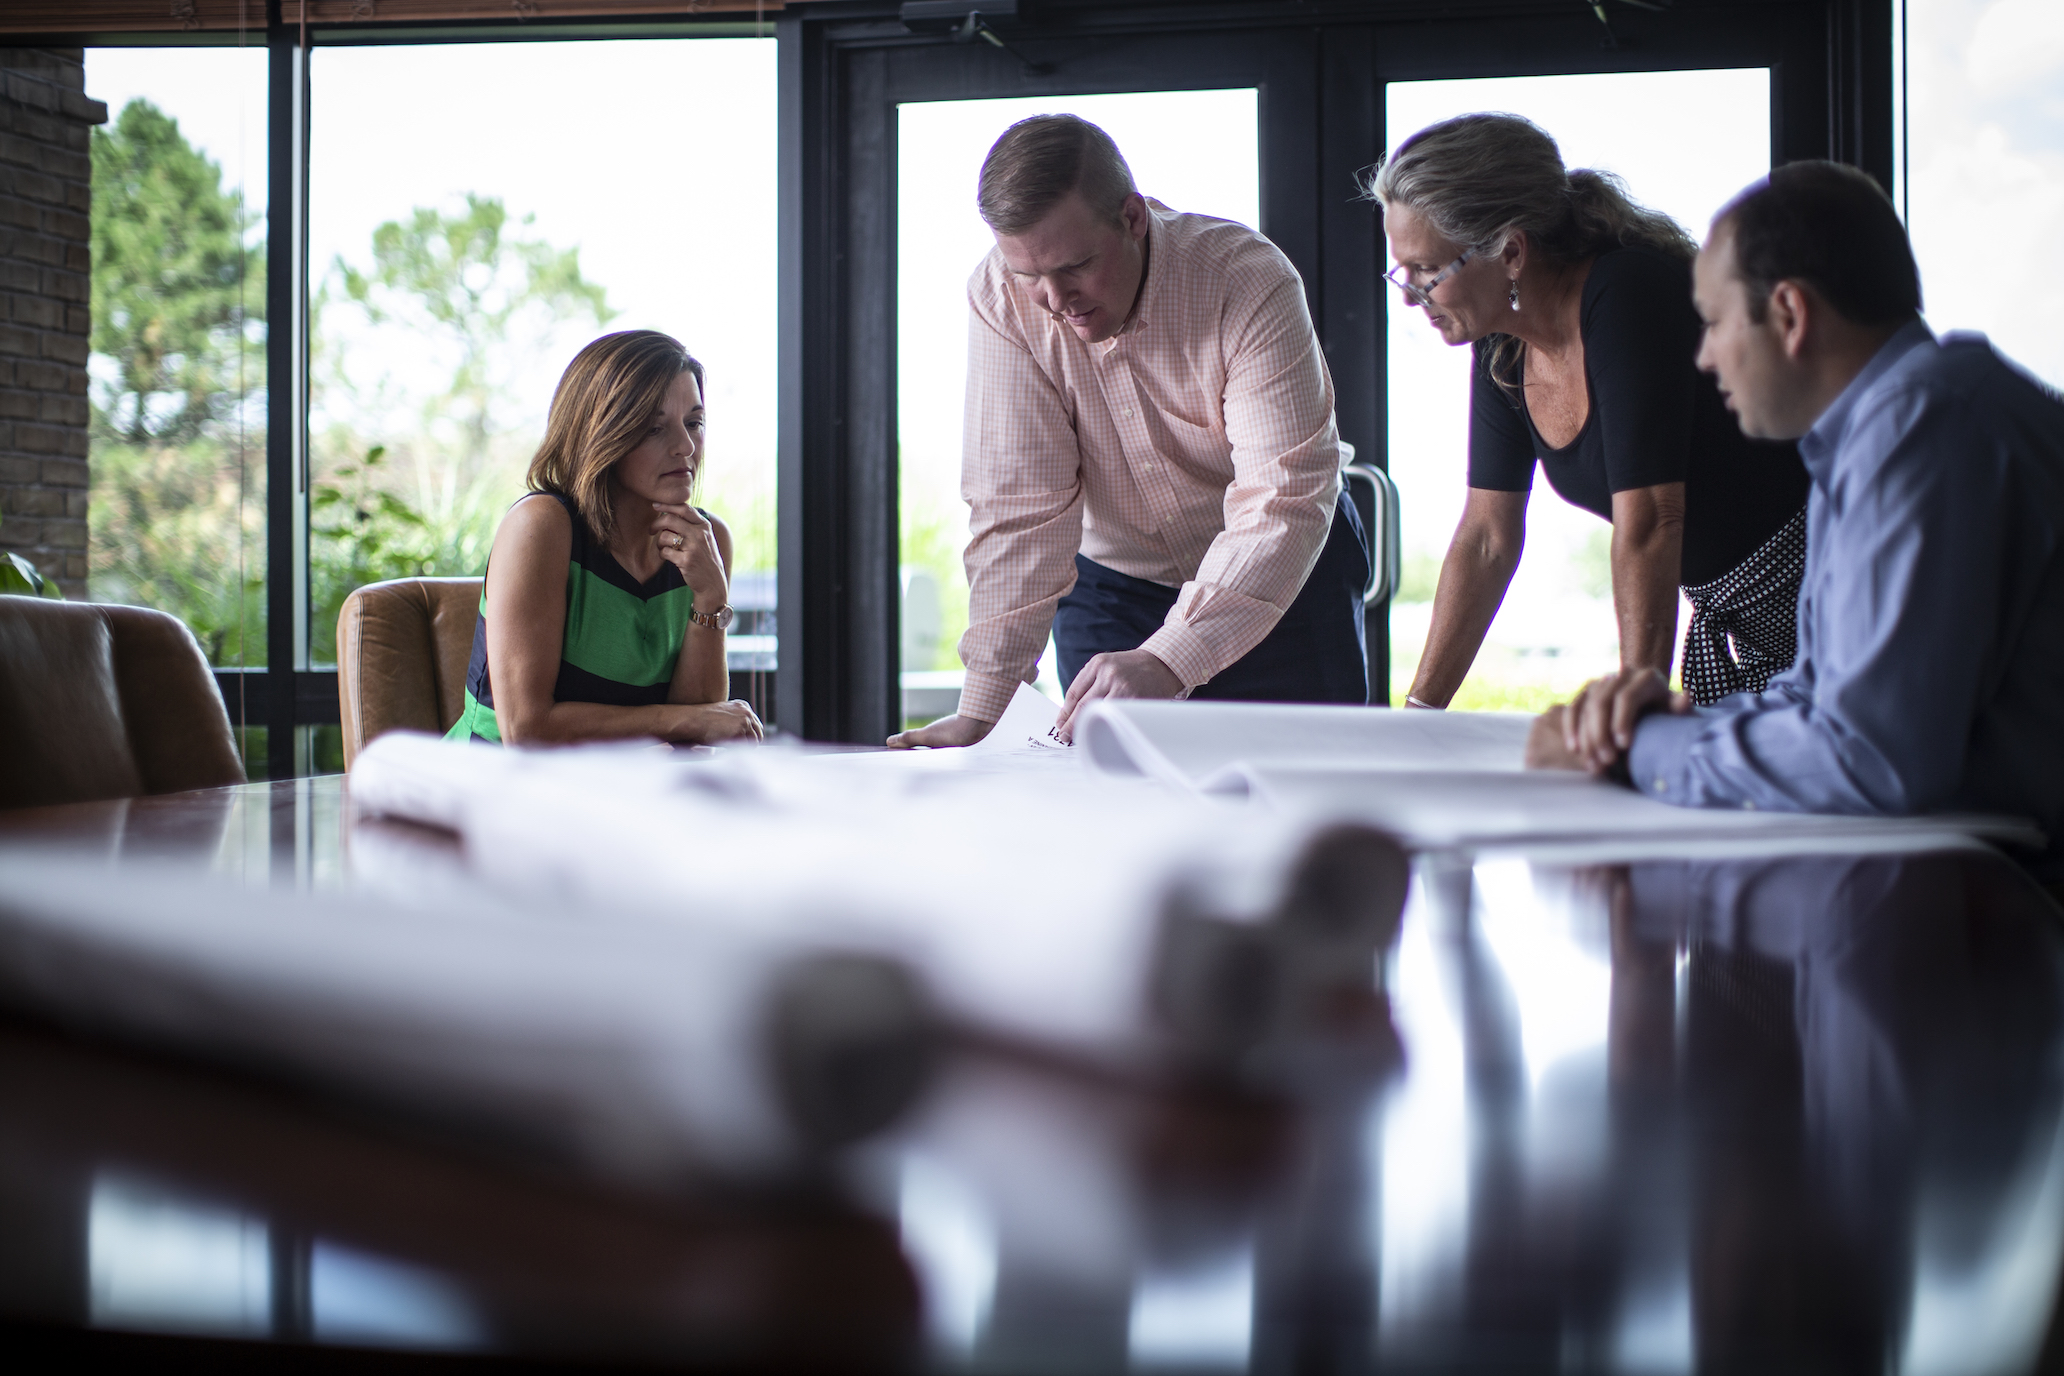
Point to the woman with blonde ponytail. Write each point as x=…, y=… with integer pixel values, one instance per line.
x=1577, y=302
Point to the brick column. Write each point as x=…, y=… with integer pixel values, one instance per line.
x=46, y=196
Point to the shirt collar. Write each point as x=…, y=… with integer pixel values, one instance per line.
x=1150, y=288
x=1818, y=445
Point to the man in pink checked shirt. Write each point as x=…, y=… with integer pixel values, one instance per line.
x=1150, y=455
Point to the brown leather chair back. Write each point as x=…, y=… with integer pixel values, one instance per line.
x=402, y=651
x=105, y=702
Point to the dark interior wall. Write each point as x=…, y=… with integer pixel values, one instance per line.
x=46, y=193
x=1321, y=68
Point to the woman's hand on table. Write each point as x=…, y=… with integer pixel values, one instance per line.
x=685, y=540
x=715, y=723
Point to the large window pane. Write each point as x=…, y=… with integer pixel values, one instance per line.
x=177, y=389
x=478, y=213
x=1985, y=132
x=1191, y=150
x=1685, y=142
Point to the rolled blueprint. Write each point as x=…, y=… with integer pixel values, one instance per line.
x=657, y=1052
x=1117, y=922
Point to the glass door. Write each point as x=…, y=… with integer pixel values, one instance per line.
x=467, y=238
x=1190, y=150
x=174, y=517
x=1685, y=142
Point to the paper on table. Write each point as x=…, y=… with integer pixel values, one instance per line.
x=1185, y=743
x=1021, y=742
x=1452, y=808
x=1027, y=724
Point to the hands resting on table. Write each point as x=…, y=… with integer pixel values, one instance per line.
x=1121, y=674
x=1595, y=730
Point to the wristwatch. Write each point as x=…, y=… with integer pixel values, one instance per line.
x=718, y=620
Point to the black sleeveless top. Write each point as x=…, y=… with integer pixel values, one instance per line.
x=1655, y=418
x=622, y=637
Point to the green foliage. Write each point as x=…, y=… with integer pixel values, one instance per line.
x=1418, y=578
x=1591, y=564
x=418, y=442
x=20, y=577
x=175, y=528
x=415, y=465
x=461, y=281
x=174, y=284
x=359, y=533
x=934, y=534
x=1478, y=694
x=745, y=501
x=176, y=504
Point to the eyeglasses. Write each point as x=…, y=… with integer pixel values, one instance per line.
x=1401, y=278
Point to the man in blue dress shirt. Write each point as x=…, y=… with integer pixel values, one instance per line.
x=1930, y=674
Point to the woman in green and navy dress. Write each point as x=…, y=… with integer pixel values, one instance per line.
x=607, y=594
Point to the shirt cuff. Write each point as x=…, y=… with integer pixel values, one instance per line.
x=1186, y=653
x=984, y=696
x=1657, y=764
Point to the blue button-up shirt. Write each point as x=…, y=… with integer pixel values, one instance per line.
x=1930, y=675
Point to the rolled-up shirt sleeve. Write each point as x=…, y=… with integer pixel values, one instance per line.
x=1901, y=639
x=1278, y=408
x=1021, y=476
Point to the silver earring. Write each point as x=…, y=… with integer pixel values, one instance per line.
x=1515, y=294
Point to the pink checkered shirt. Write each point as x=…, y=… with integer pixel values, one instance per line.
x=1195, y=449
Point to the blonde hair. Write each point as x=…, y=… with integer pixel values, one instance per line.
x=1478, y=178
x=600, y=412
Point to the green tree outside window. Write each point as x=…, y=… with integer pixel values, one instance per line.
x=176, y=429
x=417, y=444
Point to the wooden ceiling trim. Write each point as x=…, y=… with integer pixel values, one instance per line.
x=408, y=11
x=26, y=17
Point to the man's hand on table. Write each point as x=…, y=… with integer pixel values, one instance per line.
x=1121, y=674
x=946, y=731
x=1595, y=730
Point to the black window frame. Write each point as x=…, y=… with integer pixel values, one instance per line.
x=287, y=696
x=839, y=76
x=845, y=67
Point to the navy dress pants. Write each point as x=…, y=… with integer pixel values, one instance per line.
x=1316, y=653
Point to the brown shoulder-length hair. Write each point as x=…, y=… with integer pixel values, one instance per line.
x=600, y=411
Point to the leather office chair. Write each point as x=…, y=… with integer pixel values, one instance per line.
x=402, y=651
x=105, y=702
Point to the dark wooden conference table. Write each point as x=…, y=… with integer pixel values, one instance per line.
x=1780, y=1114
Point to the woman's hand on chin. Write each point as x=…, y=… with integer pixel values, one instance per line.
x=686, y=541
x=717, y=723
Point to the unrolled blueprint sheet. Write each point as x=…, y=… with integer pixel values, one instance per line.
x=1446, y=779
x=1021, y=742
x=1186, y=743
x=1446, y=808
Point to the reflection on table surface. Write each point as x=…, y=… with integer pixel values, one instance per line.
x=1796, y=1114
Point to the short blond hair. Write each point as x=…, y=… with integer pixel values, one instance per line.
x=600, y=412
